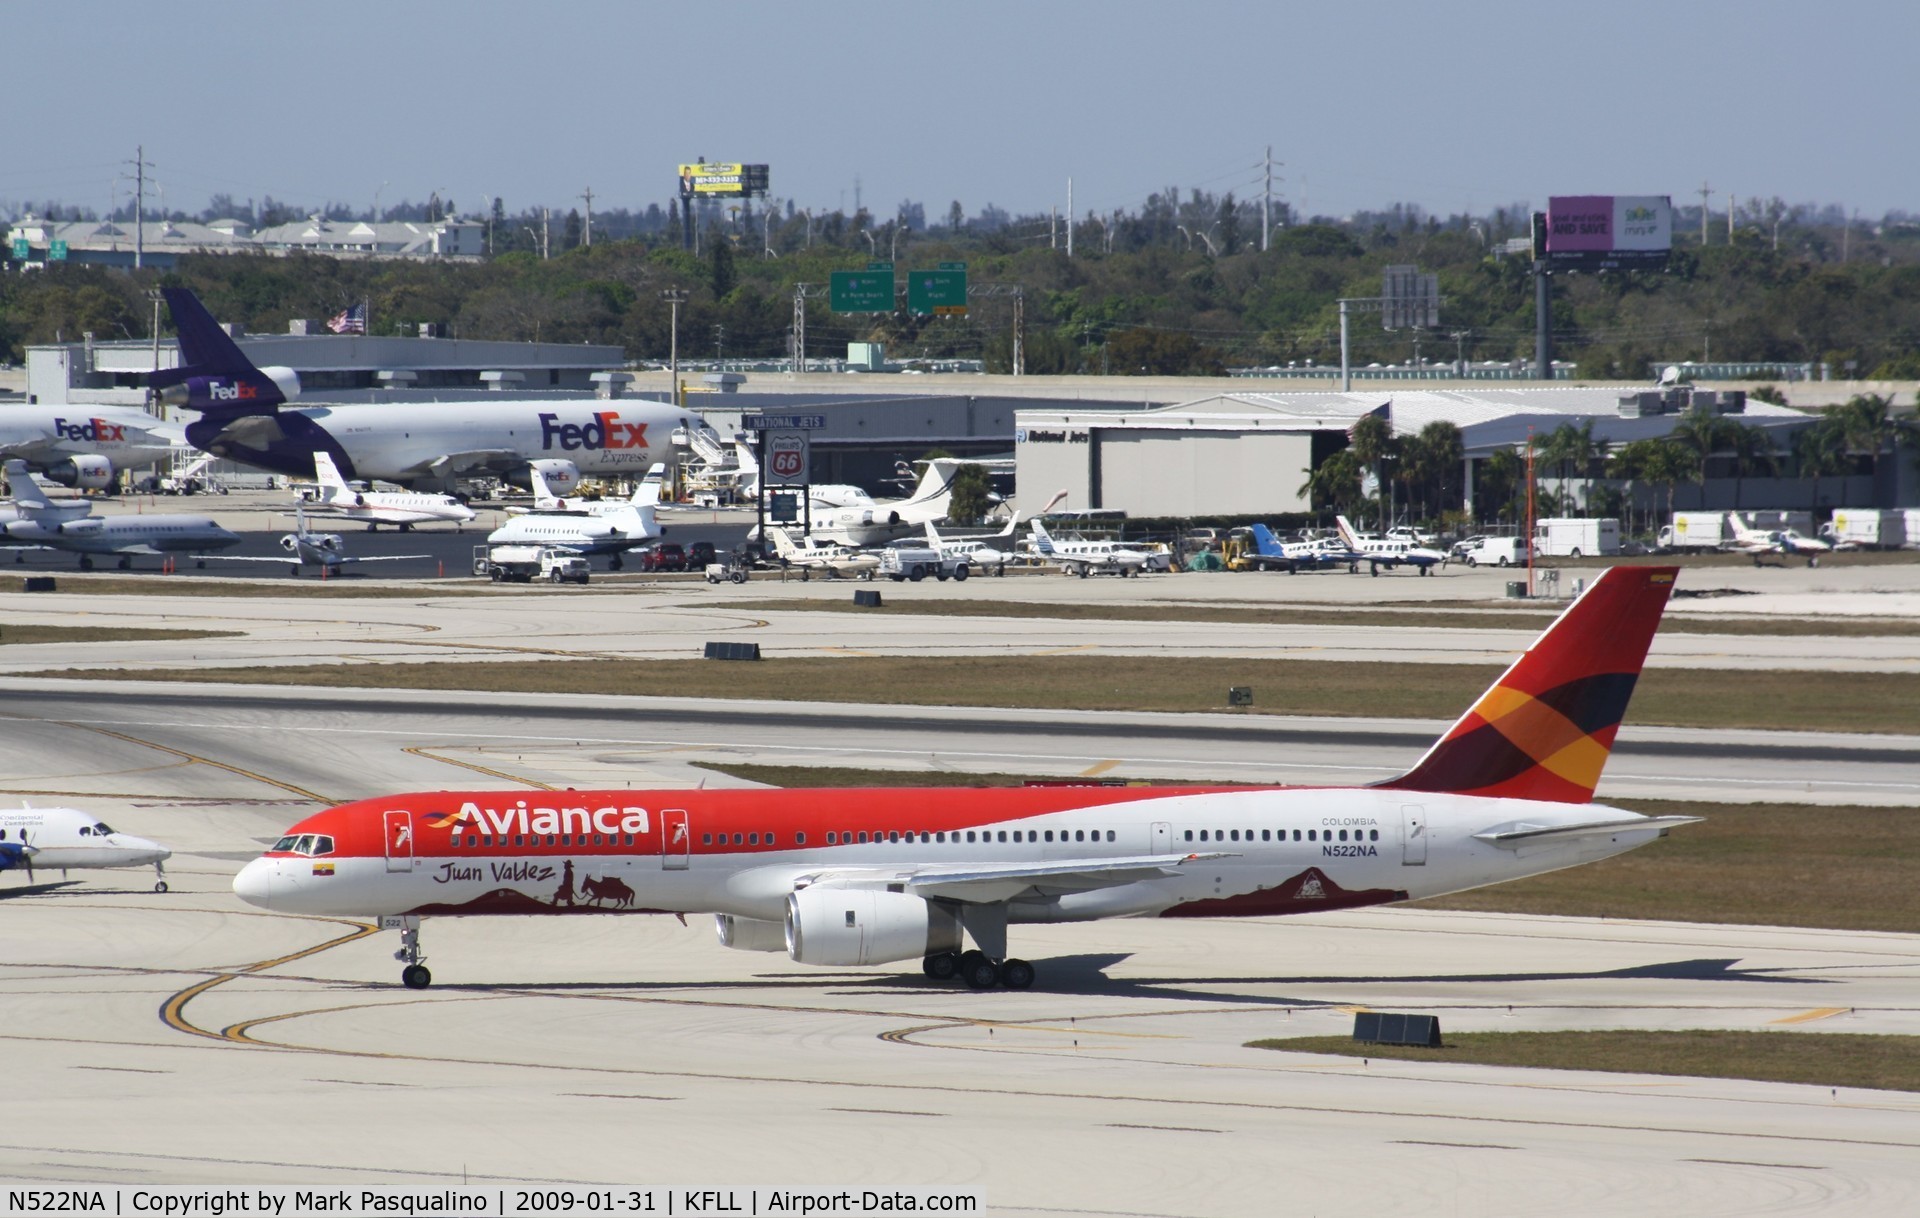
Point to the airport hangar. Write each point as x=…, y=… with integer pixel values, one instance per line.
x=1237, y=454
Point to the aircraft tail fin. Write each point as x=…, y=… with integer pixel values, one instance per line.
x=1544, y=730
x=214, y=376
x=1264, y=542
x=1348, y=537
x=326, y=472
x=1042, y=540
x=933, y=535
x=28, y=494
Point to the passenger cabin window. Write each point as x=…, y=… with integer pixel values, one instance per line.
x=799, y=839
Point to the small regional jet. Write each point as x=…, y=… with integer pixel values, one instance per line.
x=630, y=524
x=1084, y=558
x=69, y=839
x=1378, y=552
x=862, y=877
x=1758, y=542
x=403, y=509
x=47, y=523
x=328, y=551
x=810, y=554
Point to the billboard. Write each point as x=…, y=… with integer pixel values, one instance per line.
x=1609, y=232
x=727, y=179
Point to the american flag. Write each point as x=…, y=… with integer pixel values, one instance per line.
x=351, y=321
x=1383, y=411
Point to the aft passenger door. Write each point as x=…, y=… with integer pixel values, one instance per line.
x=676, y=840
x=1413, y=826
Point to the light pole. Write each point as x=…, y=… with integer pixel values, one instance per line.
x=376, y=201
x=674, y=298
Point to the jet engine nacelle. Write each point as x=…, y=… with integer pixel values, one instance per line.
x=561, y=475
x=84, y=527
x=83, y=471
x=840, y=926
x=263, y=392
x=750, y=934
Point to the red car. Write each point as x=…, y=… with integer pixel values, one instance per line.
x=667, y=556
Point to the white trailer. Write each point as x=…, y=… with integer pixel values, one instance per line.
x=1575, y=537
x=1695, y=531
x=1869, y=528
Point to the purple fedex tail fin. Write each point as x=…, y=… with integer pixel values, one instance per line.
x=214, y=376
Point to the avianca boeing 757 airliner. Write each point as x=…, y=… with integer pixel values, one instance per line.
x=862, y=877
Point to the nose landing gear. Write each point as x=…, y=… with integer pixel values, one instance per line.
x=415, y=976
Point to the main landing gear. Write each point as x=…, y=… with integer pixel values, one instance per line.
x=415, y=976
x=979, y=970
x=159, y=878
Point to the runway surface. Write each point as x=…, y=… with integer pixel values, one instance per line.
x=277, y=737
x=185, y=1038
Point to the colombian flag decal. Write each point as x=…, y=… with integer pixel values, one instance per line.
x=323, y=869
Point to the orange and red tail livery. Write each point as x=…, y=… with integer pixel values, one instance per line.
x=1545, y=728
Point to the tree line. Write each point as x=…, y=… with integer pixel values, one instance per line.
x=1178, y=286
x=1418, y=477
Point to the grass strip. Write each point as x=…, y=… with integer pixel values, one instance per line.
x=1835, y=868
x=1824, y=1059
x=17, y=633
x=311, y=587
x=1453, y=617
x=1761, y=700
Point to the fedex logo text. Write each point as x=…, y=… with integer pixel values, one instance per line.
x=234, y=391
x=605, y=431
x=93, y=431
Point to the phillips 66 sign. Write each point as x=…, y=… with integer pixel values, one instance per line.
x=787, y=457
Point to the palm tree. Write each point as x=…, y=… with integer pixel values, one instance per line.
x=1439, y=453
x=1667, y=462
x=1870, y=427
x=1820, y=451
x=1700, y=434
x=1336, y=483
x=1631, y=463
x=1572, y=444
x=1504, y=475
x=1371, y=442
x=1753, y=451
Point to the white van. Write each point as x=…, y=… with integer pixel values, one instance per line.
x=1497, y=552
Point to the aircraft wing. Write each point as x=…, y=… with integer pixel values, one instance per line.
x=1520, y=833
x=986, y=883
x=35, y=448
x=457, y=463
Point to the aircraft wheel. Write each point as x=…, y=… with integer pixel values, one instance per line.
x=979, y=974
x=616, y=563
x=1083, y=572
x=294, y=571
x=126, y=564
x=941, y=966
x=416, y=977
x=86, y=563
x=1016, y=975
x=160, y=886
x=805, y=575
x=1376, y=570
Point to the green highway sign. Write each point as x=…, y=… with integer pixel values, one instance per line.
x=21, y=249
x=861, y=291
x=953, y=266
x=942, y=293
x=881, y=266
x=56, y=251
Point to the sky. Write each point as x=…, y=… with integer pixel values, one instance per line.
x=1452, y=107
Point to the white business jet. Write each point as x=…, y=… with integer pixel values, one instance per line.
x=403, y=509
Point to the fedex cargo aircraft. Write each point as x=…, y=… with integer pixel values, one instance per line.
x=865, y=877
x=244, y=416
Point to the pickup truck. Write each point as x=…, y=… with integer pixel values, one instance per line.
x=524, y=564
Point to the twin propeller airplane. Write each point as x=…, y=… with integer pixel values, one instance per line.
x=865, y=877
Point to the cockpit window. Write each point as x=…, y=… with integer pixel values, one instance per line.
x=101, y=830
x=304, y=843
